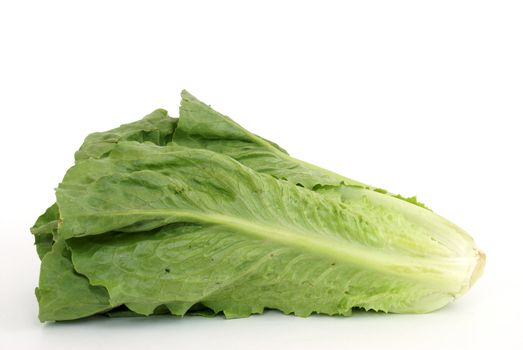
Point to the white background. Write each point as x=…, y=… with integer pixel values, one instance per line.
x=418, y=97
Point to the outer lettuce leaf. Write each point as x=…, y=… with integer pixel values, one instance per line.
x=200, y=126
x=156, y=127
x=63, y=294
x=44, y=228
x=56, y=300
x=198, y=227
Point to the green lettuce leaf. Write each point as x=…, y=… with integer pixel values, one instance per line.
x=156, y=127
x=63, y=294
x=193, y=226
x=44, y=228
x=200, y=126
x=56, y=298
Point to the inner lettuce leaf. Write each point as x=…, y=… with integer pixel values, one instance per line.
x=202, y=127
x=156, y=127
x=196, y=215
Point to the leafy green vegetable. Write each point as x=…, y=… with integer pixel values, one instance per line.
x=196, y=215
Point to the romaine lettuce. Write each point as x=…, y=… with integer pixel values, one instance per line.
x=198, y=215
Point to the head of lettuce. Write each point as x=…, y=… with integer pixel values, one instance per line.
x=196, y=215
